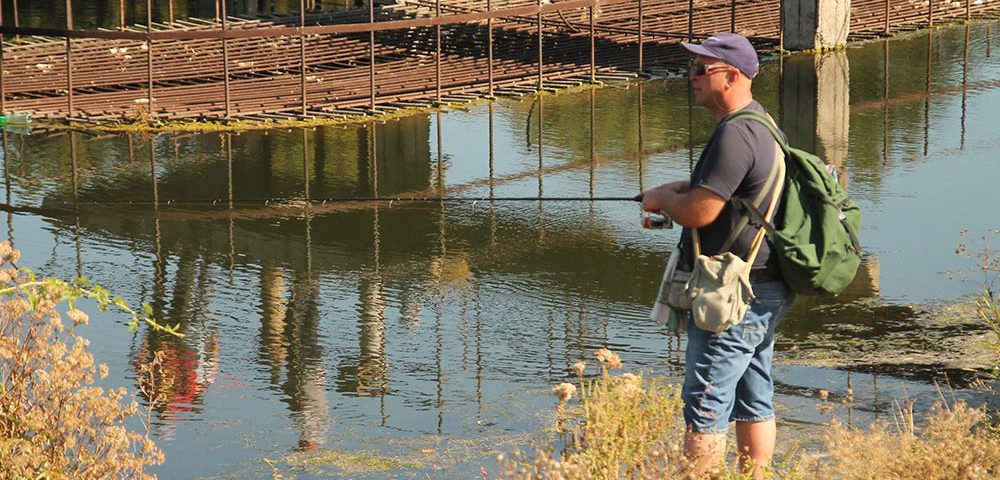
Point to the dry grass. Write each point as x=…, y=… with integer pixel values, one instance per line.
x=627, y=427
x=956, y=442
x=54, y=423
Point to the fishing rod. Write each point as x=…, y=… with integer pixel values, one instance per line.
x=343, y=200
x=649, y=221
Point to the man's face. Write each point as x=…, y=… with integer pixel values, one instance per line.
x=708, y=79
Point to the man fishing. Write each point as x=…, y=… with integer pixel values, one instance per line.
x=728, y=374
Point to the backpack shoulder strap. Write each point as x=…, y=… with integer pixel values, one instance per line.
x=750, y=207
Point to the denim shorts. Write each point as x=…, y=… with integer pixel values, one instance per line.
x=728, y=374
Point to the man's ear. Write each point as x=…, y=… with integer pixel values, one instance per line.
x=733, y=75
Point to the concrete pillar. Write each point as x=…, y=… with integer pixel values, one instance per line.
x=816, y=24
x=815, y=106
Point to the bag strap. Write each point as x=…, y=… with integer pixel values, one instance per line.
x=777, y=173
x=758, y=239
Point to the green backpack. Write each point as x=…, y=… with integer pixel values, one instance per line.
x=815, y=234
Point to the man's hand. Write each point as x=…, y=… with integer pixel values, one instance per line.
x=689, y=207
x=656, y=199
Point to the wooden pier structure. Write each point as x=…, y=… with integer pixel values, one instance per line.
x=382, y=57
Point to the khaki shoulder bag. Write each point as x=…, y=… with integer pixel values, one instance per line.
x=719, y=290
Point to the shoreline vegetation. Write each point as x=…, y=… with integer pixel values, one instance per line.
x=627, y=427
x=54, y=422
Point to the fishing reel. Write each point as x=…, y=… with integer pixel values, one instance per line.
x=655, y=221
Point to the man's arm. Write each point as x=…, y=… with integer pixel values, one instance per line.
x=690, y=207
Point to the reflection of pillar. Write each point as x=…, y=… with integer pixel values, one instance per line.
x=989, y=40
x=6, y=183
x=76, y=206
x=372, y=371
x=437, y=175
x=229, y=188
x=815, y=102
x=965, y=80
x=305, y=163
x=885, y=104
x=593, y=143
x=493, y=218
x=306, y=382
x=273, y=306
x=815, y=24
x=541, y=167
x=479, y=358
x=927, y=93
x=641, y=146
x=593, y=157
x=439, y=369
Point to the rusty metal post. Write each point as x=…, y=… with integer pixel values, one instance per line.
x=17, y=22
x=732, y=16
x=690, y=20
x=225, y=59
x=539, y=23
x=3, y=92
x=640, y=35
x=371, y=56
x=489, y=45
x=781, y=30
x=437, y=55
x=886, y=28
x=121, y=13
x=149, y=55
x=302, y=55
x=593, y=76
x=69, y=60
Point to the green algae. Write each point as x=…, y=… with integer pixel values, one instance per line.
x=143, y=125
x=350, y=462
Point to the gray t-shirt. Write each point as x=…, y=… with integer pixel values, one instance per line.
x=735, y=163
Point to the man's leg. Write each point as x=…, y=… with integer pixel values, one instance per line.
x=755, y=443
x=714, y=364
x=754, y=410
x=705, y=451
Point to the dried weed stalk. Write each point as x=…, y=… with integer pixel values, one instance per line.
x=54, y=423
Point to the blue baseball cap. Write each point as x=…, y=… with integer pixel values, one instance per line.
x=731, y=48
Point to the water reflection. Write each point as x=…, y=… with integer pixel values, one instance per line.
x=815, y=106
x=383, y=320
